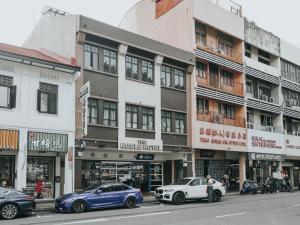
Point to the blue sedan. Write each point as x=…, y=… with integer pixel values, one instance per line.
x=104, y=196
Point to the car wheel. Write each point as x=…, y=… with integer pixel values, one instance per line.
x=178, y=198
x=216, y=196
x=9, y=211
x=79, y=206
x=130, y=203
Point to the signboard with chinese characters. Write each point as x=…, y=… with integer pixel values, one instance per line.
x=47, y=142
x=265, y=142
x=219, y=137
x=292, y=145
x=140, y=145
x=84, y=95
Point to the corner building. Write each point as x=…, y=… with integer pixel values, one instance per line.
x=215, y=33
x=133, y=119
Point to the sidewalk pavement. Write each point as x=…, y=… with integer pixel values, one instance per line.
x=48, y=204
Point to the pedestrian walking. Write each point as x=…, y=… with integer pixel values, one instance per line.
x=209, y=189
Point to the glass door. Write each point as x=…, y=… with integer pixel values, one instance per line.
x=156, y=175
x=7, y=171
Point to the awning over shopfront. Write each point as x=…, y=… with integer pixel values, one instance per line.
x=47, y=142
x=9, y=140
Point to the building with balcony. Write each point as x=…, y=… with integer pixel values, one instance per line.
x=132, y=102
x=218, y=94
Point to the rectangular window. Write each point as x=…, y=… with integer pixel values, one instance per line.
x=179, y=123
x=201, y=70
x=47, y=98
x=226, y=110
x=131, y=116
x=250, y=116
x=264, y=57
x=179, y=79
x=166, y=76
x=200, y=29
x=131, y=67
x=202, y=106
x=249, y=87
x=266, y=120
x=247, y=50
x=110, y=61
x=148, y=119
x=226, y=77
x=166, y=121
x=93, y=111
x=91, y=57
x=147, y=71
x=110, y=114
x=7, y=92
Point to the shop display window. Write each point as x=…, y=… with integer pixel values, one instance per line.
x=7, y=172
x=40, y=176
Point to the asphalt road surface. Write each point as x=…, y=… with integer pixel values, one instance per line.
x=268, y=209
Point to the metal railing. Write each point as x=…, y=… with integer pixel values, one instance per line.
x=230, y=6
x=213, y=117
x=209, y=80
x=292, y=103
x=218, y=48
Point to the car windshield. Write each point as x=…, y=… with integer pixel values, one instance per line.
x=184, y=181
x=3, y=191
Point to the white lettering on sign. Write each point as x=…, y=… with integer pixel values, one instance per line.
x=46, y=143
x=141, y=145
x=84, y=95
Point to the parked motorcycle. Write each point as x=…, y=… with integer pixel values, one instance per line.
x=270, y=186
x=249, y=187
x=285, y=186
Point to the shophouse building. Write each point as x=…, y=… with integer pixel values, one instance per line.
x=133, y=101
x=37, y=120
x=215, y=33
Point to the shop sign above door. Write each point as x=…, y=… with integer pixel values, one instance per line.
x=265, y=157
x=145, y=157
x=47, y=142
x=140, y=145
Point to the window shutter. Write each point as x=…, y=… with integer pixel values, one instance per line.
x=13, y=94
x=38, y=101
x=52, y=103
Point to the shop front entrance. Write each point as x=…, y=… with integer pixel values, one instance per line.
x=143, y=175
x=7, y=168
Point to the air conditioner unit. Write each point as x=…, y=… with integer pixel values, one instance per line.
x=271, y=99
x=217, y=118
x=269, y=128
x=264, y=98
x=250, y=125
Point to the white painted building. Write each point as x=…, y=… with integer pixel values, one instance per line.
x=37, y=121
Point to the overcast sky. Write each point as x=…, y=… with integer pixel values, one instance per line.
x=18, y=17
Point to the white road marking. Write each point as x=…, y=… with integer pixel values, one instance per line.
x=296, y=206
x=113, y=218
x=228, y=215
x=149, y=207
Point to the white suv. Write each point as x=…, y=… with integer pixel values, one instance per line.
x=190, y=188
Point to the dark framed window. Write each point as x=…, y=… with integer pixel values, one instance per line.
x=93, y=111
x=148, y=119
x=166, y=121
x=110, y=61
x=131, y=67
x=91, y=57
x=179, y=79
x=226, y=77
x=226, y=110
x=264, y=57
x=166, y=76
x=201, y=70
x=110, y=114
x=47, y=98
x=247, y=50
x=200, y=30
x=147, y=71
x=202, y=105
x=131, y=116
x=266, y=120
x=179, y=123
x=8, y=92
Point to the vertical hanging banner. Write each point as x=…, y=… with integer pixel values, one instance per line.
x=85, y=91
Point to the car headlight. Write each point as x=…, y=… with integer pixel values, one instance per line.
x=169, y=190
x=67, y=201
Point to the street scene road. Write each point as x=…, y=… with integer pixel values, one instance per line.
x=275, y=209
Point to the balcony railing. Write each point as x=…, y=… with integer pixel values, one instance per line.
x=218, y=48
x=265, y=98
x=213, y=117
x=258, y=126
x=208, y=80
x=292, y=103
x=230, y=6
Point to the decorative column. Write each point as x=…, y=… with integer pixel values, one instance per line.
x=242, y=168
x=21, y=161
x=69, y=165
x=121, y=90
